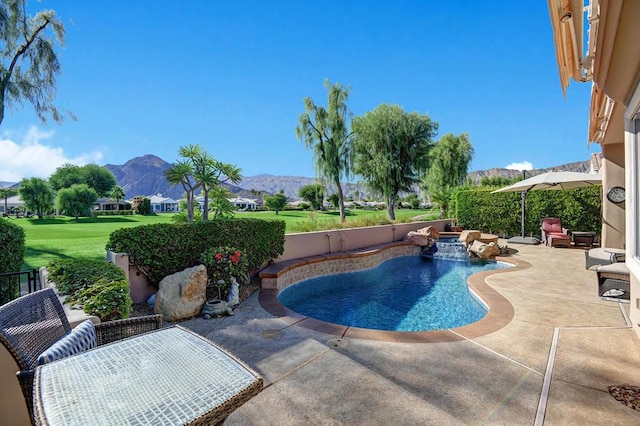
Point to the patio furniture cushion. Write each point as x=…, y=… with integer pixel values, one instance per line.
x=553, y=234
x=81, y=338
x=603, y=256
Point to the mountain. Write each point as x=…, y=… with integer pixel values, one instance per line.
x=579, y=166
x=144, y=176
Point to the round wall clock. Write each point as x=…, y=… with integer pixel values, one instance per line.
x=616, y=194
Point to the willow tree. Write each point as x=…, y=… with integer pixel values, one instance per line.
x=391, y=150
x=326, y=132
x=448, y=165
x=29, y=64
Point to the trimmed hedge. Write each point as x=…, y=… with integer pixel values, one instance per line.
x=12, y=243
x=99, y=286
x=163, y=249
x=477, y=208
x=113, y=212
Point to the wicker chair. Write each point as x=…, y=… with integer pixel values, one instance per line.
x=30, y=324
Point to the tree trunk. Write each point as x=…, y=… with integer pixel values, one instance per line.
x=343, y=216
x=190, y=206
x=391, y=208
x=205, y=211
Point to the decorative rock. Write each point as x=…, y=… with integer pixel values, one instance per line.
x=182, y=295
x=418, y=239
x=425, y=237
x=483, y=250
x=469, y=236
x=429, y=231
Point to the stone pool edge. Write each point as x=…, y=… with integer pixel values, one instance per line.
x=277, y=277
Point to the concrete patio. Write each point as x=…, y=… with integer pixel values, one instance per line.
x=515, y=375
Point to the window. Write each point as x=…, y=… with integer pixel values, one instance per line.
x=632, y=181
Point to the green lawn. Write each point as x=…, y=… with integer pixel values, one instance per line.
x=48, y=239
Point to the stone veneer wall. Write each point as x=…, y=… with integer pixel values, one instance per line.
x=281, y=276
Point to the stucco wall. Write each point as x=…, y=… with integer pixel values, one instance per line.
x=339, y=240
x=613, y=215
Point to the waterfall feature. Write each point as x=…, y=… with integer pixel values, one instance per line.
x=447, y=249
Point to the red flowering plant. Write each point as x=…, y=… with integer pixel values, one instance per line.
x=222, y=263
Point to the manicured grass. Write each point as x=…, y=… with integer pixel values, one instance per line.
x=61, y=237
x=47, y=239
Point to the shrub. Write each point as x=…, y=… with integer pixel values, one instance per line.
x=12, y=243
x=11, y=258
x=99, y=286
x=163, y=249
x=223, y=263
x=477, y=208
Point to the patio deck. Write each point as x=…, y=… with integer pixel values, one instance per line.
x=499, y=378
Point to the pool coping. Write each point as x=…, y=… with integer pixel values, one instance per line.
x=500, y=312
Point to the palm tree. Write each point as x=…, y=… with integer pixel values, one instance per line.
x=325, y=131
x=211, y=173
x=117, y=194
x=183, y=173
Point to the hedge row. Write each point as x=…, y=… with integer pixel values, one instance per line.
x=113, y=212
x=11, y=246
x=477, y=208
x=163, y=249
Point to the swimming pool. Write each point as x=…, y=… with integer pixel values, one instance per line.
x=407, y=293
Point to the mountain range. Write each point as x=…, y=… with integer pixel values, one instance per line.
x=144, y=176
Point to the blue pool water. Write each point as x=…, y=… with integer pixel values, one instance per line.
x=409, y=293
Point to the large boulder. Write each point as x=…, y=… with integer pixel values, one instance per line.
x=183, y=294
x=484, y=250
x=425, y=237
x=469, y=236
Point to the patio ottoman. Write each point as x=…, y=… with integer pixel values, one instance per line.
x=560, y=240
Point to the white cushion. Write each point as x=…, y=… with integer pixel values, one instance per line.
x=81, y=338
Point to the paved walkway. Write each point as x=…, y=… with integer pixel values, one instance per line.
x=552, y=364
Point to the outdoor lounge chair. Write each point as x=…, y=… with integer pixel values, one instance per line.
x=613, y=281
x=553, y=234
x=603, y=256
x=31, y=324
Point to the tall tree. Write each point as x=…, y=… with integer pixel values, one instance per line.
x=37, y=195
x=391, y=150
x=276, y=202
x=5, y=193
x=97, y=177
x=29, y=64
x=314, y=194
x=117, y=194
x=448, y=166
x=76, y=200
x=326, y=132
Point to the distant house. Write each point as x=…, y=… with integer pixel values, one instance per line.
x=109, y=204
x=160, y=204
x=244, y=203
x=14, y=202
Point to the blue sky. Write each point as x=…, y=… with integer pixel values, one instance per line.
x=144, y=77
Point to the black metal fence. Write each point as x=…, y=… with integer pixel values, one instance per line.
x=16, y=284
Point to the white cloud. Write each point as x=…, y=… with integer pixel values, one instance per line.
x=525, y=165
x=33, y=158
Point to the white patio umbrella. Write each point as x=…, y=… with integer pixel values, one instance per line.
x=550, y=181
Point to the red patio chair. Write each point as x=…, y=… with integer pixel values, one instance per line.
x=553, y=234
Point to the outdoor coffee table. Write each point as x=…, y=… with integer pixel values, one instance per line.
x=167, y=377
x=585, y=238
